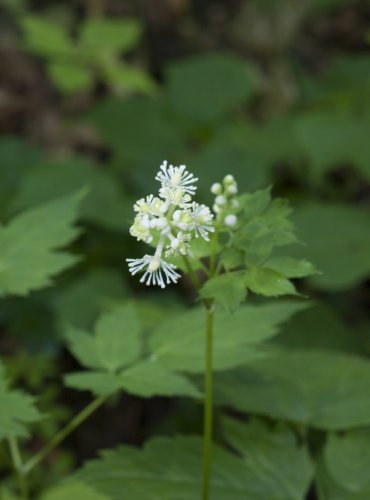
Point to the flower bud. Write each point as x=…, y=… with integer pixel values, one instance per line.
x=216, y=188
x=230, y=220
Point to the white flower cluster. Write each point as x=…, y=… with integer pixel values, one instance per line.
x=225, y=202
x=172, y=219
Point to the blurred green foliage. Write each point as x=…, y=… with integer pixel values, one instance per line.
x=281, y=97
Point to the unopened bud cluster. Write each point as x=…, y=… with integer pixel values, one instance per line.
x=225, y=200
x=172, y=219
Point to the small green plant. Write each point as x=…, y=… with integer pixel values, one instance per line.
x=225, y=253
x=74, y=64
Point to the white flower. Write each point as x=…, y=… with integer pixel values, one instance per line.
x=230, y=220
x=140, y=228
x=201, y=217
x=174, y=219
x=182, y=219
x=179, y=244
x=176, y=177
x=158, y=271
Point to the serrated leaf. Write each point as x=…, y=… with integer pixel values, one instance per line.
x=256, y=203
x=228, y=290
x=46, y=38
x=179, y=343
x=169, y=469
x=149, y=379
x=263, y=225
x=83, y=347
x=108, y=35
x=291, y=268
x=113, y=354
x=28, y=246
x=264, y=450
x=69, y=77
x=206, y=87
x=320, y=389
x=17, y=409
x=99, y=383
x=267, y=282
x=117, y=337
x=69, y=175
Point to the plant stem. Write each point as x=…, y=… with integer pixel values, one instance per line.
x=193, y=275
x=17, y=463
x=63, y=433
x=212, y=260
x=319, y=490
x=208, y=403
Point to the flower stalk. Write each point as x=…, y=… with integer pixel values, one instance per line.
x=208, y=403
x=173, y=220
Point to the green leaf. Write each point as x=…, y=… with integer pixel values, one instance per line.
x=347, y=460
x=320, y=389
x=17, y=410
x=80, y=302
x=113, y=354
x=69, y=175
x=157, y=134
x=148, y=379
x=207, y=87
x=263, y=225
x=228, y=290
x=46, y=38
x=170, y=469
x=69, y=77
x=291, y=268
x=319, y=327
x=105, y=36
x=335, y=138
x=117, y=336
x=265, y=451
x=267, y=282
x=87, y=296
x=178, y=343
x=129, y=78
x=222, y=155
x=99, y=383
x=83, y=347
x=28, y=246
x=72, y=489
x=338, y=243
x=20, y=157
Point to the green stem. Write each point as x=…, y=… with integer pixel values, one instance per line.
x=208, y=403
x=318, y=489
x=192, y=273
x=63, y=433
x=212, y=260
x=18, y=467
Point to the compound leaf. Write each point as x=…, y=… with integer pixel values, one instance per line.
x=28, y=245
x=17, y=409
